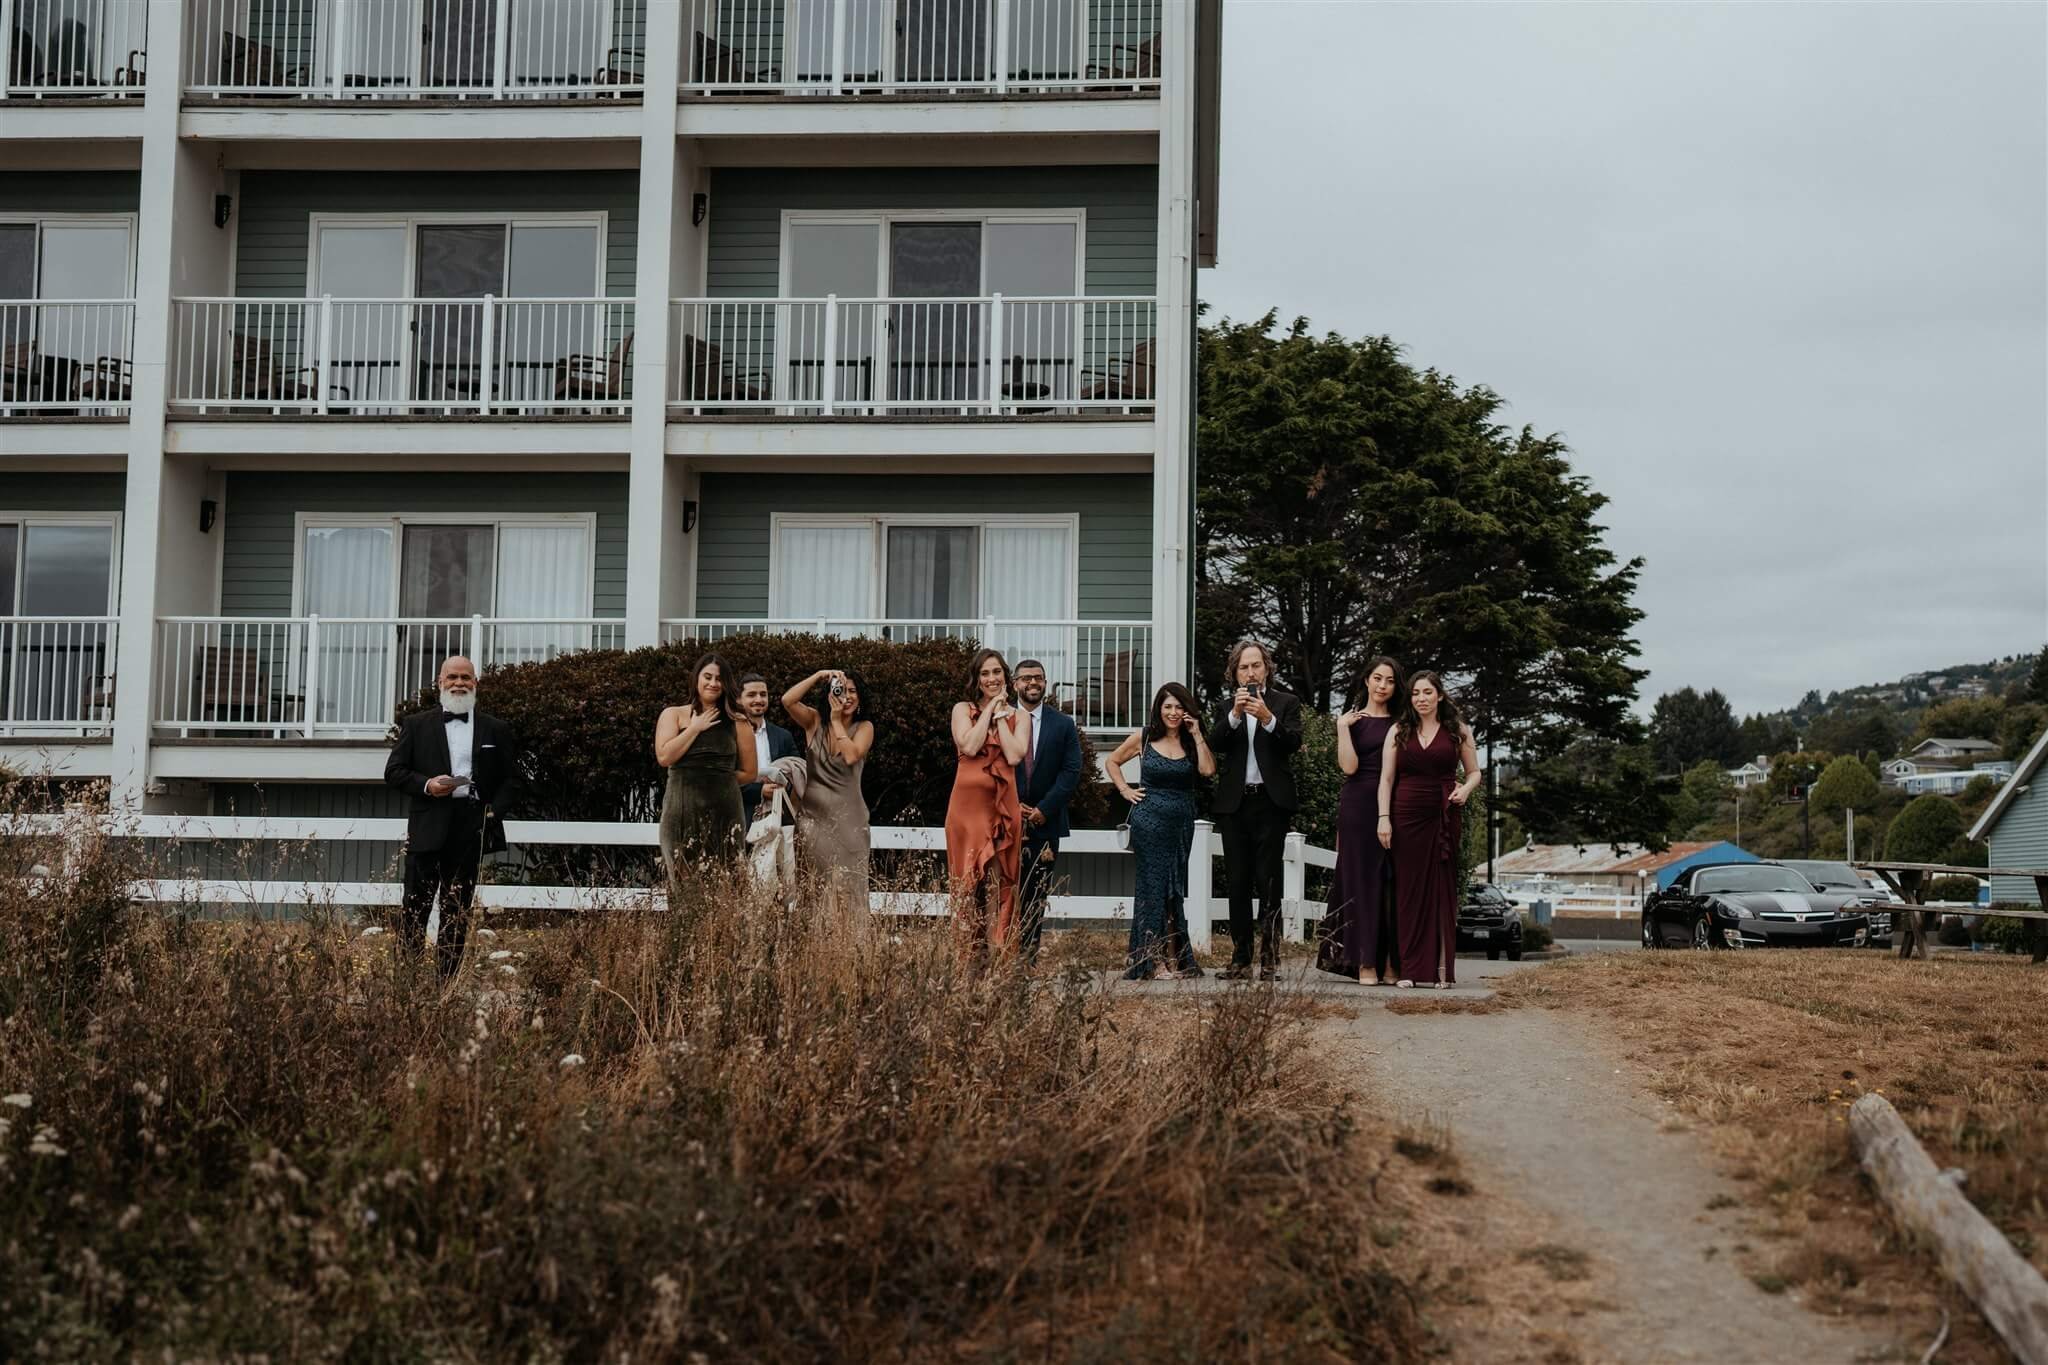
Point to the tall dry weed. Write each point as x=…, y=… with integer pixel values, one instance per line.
x=731, y=1131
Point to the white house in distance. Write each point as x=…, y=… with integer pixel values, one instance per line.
x=1967, y=750
x=1750, y=774
x=522, y=328
x=1949, y=781
x=1938, y=758
x=2016, y=826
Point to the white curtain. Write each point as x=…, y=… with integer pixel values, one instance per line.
x=824, y=571
x=348, y=574
x=543, y=572
x=1028, y=575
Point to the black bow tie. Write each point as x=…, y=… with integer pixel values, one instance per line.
x=450, y=717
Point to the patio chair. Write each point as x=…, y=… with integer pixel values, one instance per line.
x=706, y=380
x=255, y=374
x=593, y=378
x=1127, y=378
x=233, y=684
x=109, y=379
x=20, y=371
x=26, y=66
x=713, y=63
x=622, y=66
x=1129, y=62
x=246, y=62
x=132, y=75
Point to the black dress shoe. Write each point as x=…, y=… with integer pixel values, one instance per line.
x=1236, y=971
x=1269, y=973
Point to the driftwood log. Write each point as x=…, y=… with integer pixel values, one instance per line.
x=2011, y=1293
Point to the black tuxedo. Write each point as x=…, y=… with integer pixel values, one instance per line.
x=1047, y=783
x=781, y=744
x=1253, y=820
x=447, y=836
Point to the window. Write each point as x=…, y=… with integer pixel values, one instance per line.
x=433, y=349
x=395, y=597
x=53, y=572
x=914, y=577
x=76, y=260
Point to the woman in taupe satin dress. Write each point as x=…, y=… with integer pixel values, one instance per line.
x=832, y=835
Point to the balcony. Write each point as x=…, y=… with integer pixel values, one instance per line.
x=402, y=357
x=855, y=48
x=416, y=49
x=66, y=357
x=1100, y=671
x=988, y=357
x=332, y=678
x=59, y=50
x=56, y=676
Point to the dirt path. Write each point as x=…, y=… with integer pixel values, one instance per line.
x=1542, y=1109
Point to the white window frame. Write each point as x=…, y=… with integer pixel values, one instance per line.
x=412, y=222
x=878, y=524
x=303, y=522
x=881, y=218
x=28, y=519
x=130, y=221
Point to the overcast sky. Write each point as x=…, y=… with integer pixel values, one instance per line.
x=1775, y=271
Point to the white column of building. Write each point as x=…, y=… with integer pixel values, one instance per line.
x=1173, y=453
x=167, y=563
x=654, y=517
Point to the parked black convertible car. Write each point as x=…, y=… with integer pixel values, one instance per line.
x=1487, y=919
x=1750, y=905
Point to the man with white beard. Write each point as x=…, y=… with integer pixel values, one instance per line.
x=461, y=768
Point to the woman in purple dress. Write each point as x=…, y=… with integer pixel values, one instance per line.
x=1357, y=933
x=1421, y=801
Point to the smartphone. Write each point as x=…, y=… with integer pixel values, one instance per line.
x=1256, y=691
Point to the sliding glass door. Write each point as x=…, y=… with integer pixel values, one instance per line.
x=934, y=348
x=395, y=598
x=58, y=667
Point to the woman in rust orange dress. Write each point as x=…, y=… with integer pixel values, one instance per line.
x=984, y=827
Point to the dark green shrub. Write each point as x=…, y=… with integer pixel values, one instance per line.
x=1924, y=830
x=1535, y=936
x=1953, y=933
x=587, y=723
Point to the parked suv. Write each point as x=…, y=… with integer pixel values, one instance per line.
x=1488, y=919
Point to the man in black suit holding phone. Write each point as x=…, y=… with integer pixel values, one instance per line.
x=1254, y=737
x=461, y=768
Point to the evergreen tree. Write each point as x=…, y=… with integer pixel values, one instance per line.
x=2037, y=681
x=1689, y=727
x=1350, y=505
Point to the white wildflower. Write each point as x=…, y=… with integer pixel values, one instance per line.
x=18, y=1100
x=501, y=954
x=573, y=1059
x=487, y=933
x=373, y=930
x=44, y=1143
x=128, y=1217
x=508, y=969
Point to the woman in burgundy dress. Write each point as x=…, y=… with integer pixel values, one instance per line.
x=1357, y=934
x=1420, y=804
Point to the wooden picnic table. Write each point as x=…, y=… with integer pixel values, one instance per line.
x=1915, y=927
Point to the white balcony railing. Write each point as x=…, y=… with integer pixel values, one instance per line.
x=316, y=677
x=56, y=675
x=870, y=47
x=66, y=49
x=382, y=357
x=416, y=49
x=992, y=356
x=1100, y=671
x=66, y=356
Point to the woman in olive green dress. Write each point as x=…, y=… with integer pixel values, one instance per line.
x=708, y=748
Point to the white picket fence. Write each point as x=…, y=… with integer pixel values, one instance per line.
x=1296, y=908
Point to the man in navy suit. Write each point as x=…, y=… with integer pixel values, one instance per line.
x=770, y=742
x=1046, y=782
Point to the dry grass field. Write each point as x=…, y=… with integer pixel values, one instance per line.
x=721, y=1133
x=1766, y=1051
